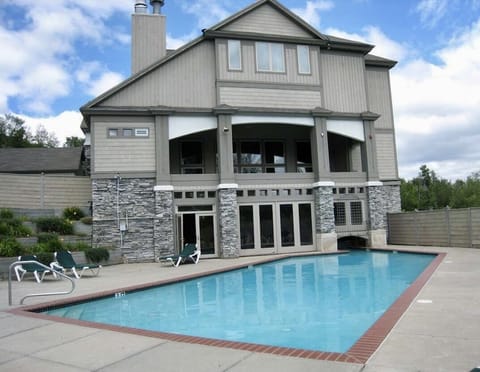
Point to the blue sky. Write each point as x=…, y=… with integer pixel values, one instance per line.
x=57, y=55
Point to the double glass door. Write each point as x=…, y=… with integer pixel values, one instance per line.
x=276, y=228
x=197, y=228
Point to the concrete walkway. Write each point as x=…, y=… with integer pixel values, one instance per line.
x=440, y=331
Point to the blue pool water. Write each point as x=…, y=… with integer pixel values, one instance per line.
x=320, y=303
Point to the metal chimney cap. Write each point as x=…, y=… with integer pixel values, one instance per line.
x=157, y=6
x=140, y=7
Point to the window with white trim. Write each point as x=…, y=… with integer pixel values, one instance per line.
x=234, y=55
x=303, y=59
x=270, y=57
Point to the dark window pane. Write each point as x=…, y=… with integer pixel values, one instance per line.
x=246, y=227
x=250, y=153
x=339, y=212
x=192, y=153
x=266, y=226
x=304, y=157
x=305, y=215
x=356, y=213
x=274, y=153
x=286, y=223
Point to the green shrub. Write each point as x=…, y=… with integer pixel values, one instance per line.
x=10, y=247
x=38, y=248
x=50, y=242
x=77, y=247
x=87, y=220
x=45, y=258
x=46, y=237
x=54, y=224
x=13, y=227
x=73, y=213
x=6, y=214
x=96, y=255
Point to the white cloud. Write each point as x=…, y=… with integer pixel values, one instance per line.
x=384, y=46
x=431, y=11
x=96, y=78
x=39, y=51
x=437, y=109
x=312, y=10
x=64, y=125
x=206, y=12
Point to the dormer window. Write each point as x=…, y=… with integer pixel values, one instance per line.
x=234, y=55
x=270, y=57
x=303, y=58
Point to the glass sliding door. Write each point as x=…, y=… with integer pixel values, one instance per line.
x=286, y=225
x=305, y=222
x=207, y=234
x=197, y=228
x=247, y=234
x=276, y=228
x=267, y=237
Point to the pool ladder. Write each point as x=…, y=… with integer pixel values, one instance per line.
x=55, y=272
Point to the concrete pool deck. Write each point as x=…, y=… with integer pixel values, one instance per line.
x=439, y=332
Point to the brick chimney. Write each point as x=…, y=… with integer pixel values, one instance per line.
x=149, y=40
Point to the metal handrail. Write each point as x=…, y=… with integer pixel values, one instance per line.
x=36, y=294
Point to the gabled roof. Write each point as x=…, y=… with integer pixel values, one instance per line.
x=38, y=160
x=318, y=38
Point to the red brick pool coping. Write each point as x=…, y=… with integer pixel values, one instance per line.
x=359, y=353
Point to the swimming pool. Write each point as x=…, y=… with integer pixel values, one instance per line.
x=324, y=302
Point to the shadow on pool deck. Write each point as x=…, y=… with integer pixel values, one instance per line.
x=441, y=334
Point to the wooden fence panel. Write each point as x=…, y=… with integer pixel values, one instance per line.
x=44, y=191
x=446, y=227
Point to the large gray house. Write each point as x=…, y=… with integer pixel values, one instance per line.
x=261, y=136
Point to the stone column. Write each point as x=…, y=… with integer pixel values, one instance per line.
x=228, y=221
x=326, y=237
x=376, y=222
x=163, y=223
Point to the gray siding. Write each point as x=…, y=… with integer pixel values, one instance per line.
x=344, y=82
x=123, y=154
x=386, y=156
x=185, y=81
x=249, y=73
x=275, y=98
x=267, y=20
x=44, y=191
x=379, y=96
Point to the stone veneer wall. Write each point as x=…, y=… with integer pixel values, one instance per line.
x=324, y=215
x=164, y=230
x=227, y=215
x=382, y=200
x=137, y=200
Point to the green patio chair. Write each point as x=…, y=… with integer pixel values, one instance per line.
x=64, y=261
x=38, y=271
x=189, y=253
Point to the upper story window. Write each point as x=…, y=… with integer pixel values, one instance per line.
x=304, y=157
x=234, y=55
x=259, y=156
x=270, y=57
x=128, y=132
x=192, y=157
x=303, y=59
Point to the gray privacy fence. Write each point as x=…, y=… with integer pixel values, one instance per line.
x=44, y=191
x=443, y=227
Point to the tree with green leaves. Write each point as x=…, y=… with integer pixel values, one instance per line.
x=14, y=133
x=74, y=141
x=428, y=191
